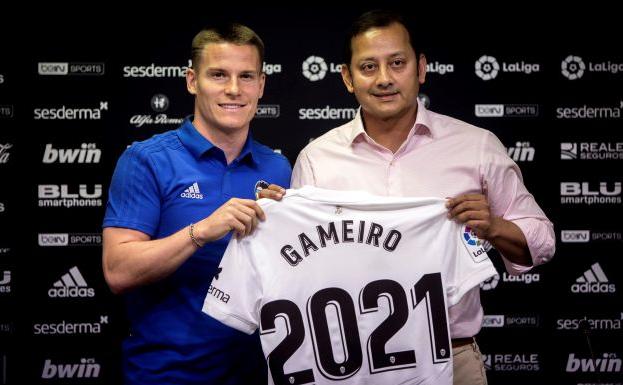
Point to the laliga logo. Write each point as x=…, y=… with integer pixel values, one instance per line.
x=470, y=237
x=314, y=68
x=487, y=67
x=490, y=283
x=573, y=67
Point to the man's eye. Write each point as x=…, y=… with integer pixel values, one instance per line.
x=368, y=67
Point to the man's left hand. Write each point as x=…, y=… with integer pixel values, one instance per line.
x=473, y=210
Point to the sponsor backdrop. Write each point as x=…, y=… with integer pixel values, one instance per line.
x=73, y=98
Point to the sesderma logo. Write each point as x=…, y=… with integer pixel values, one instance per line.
x=86, y=368
x=590, y=112
x=594, y=323
x=591, y=150
x=66, y=68
x=71, y=285
x=155, y=71
x=593, y=280
x=506, y=110
x=588, y=193
x=87, y=153
x=70, y=328
x=607, y=363
x=66, y=113
x=327, y=113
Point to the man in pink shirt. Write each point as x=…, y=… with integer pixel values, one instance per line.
x=396, y=147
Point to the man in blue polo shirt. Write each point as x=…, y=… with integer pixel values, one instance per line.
x=174, y=201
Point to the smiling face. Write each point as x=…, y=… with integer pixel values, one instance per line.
x=227, y=84
x=383, y=73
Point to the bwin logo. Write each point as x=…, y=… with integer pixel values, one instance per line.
x=572, y=67
x=608, y=363
x=87, y=153
x=522, y=152
x=487, y=67
x=71, y=285
x=159, y=103
x=314, y=68
x=87, y=368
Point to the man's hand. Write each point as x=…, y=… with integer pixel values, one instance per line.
x=473, y=210
x=238, y=215
x=272, y=192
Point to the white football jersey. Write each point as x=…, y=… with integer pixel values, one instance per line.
x=349, y=288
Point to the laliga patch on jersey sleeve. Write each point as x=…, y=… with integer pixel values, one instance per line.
x=474, y=245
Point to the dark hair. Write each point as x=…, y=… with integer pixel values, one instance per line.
x=225, y=33
x=375, y=19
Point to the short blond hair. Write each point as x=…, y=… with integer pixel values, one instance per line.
x=225, y=33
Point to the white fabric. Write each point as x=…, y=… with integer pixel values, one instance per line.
x=349, y=275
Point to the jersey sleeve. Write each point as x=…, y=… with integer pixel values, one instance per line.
x=235, y=293
x=470, y=266
x=134, y=194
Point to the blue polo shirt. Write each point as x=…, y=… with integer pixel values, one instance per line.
x=160, y=186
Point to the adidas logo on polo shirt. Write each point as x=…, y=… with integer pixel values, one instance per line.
x=192, y=192
x=71, y=285
x=593, y=280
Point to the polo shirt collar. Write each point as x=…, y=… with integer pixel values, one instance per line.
x=199, y=145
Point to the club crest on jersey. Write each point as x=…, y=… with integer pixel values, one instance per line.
x=259, y=186
x=474, y=244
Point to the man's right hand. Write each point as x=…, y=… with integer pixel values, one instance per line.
x=238, y=215
x=273, y=192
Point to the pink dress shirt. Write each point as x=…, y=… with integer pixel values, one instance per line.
x=441, y=157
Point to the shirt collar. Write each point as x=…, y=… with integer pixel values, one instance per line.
x=422, y=126
x=198, y=145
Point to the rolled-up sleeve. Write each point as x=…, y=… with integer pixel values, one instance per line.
x=509, y=198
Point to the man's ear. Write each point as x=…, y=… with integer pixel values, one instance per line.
x=347, y=78
x=191, y=81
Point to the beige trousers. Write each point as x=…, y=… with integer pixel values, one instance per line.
x=468, y=366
